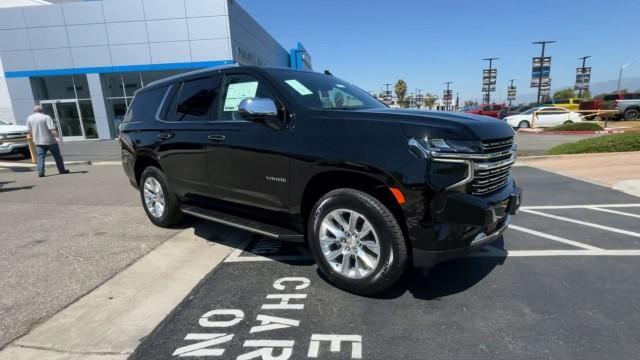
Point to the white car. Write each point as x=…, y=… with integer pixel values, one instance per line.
x=547, y=116
x=9, y=131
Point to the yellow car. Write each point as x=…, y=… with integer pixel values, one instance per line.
x=569, y=104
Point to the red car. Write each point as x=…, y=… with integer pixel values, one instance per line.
x=487, y=110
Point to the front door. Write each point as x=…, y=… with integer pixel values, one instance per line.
x=67, y=116
x=248, y=161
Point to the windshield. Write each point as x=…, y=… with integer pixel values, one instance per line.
x=324, y=92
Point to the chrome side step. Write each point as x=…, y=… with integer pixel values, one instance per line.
x=268, y=230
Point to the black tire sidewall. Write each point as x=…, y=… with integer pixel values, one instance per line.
x=524, y=122
x=389, y=243
x=631, y=111
x=172, y=211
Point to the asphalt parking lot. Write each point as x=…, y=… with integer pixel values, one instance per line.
x=561, y=284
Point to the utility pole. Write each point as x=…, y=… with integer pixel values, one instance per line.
x=447, y=97
x=620, y=76
x=387, y=93
x=543, y=43
x=584, y=61
x=490, y=60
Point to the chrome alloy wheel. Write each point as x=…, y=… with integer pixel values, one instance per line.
x=154, y=197
x=349, y=243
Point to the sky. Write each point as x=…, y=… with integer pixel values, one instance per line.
x=426, y=42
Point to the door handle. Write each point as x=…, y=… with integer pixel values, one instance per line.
x=218, y=138
x=165, y=135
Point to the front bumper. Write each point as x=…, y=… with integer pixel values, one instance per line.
x=10, y=148
x=461, y=223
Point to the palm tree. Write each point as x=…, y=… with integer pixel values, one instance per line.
x=429, y=100
x=400, y=89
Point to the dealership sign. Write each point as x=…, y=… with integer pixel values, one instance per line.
x=489, y=79
x=447, y=96
x=511, y=93
x=540, y=72
x=583, y=77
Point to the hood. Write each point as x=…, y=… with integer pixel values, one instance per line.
x=439, y=124
x=9, y=129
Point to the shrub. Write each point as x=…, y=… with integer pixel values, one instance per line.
x=576, y=127
x=607, y=143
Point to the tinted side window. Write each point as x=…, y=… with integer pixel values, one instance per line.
x=238, y=88
x=196, y=99
x=145, y=104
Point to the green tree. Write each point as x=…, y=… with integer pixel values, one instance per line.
x=429, y=100
x=470, y=103
x=566, y=93
x=586, y=95
x=401, y=89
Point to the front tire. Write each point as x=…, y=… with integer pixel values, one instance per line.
x=524, y=124
x=161, y=205
x=632, y=114
x=356, y=242
x=567, y=122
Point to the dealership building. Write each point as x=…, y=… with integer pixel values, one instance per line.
x=84, y=60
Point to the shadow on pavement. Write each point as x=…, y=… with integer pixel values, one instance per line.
x=3, y=187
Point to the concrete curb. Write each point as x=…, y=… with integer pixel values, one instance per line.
x=543, y=157
x=110, y=321
x=6, y=166
x=580, y=132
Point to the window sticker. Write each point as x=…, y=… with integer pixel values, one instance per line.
x=297, y=86
x=238, y=92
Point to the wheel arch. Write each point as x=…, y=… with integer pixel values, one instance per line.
x=326, y=181
x=142, y=162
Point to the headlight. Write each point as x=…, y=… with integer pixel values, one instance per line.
x=455, y=146
x=3, y=136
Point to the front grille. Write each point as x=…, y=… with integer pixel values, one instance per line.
x=15, y=135
x=491, y=175
x=491, y=146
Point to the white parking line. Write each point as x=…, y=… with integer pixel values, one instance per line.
x=555, y=238
x=537, y=253
x=552, y=207
x=613, y=211
x=580, y=222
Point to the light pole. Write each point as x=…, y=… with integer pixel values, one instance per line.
x=584, y=61
x=543, y=43
x=620, y=76
x=490, y=60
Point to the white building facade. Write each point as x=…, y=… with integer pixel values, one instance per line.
x=83, y=60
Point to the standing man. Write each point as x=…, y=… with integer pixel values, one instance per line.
x=45, y=136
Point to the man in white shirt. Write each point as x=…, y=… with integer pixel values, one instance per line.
x=45, y=136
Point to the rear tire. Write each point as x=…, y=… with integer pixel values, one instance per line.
x=159, y=202
x=632, y=114
x=524, y=124
x=359, y=267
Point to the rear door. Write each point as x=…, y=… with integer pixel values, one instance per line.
x=248, y=161
x=184, y=120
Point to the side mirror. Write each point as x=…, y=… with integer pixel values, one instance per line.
x=257, y=109
x=261, y=110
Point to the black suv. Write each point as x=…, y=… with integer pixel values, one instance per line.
x=306, y=157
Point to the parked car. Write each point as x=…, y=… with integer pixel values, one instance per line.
x=569, y=104
x=487, y=110
x=10, y=131
x=545, y=117
x=306, y=157
x=628, y=107
x=513, y=110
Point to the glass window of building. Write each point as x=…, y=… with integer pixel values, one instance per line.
x=67, y=100
x=119, y=89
